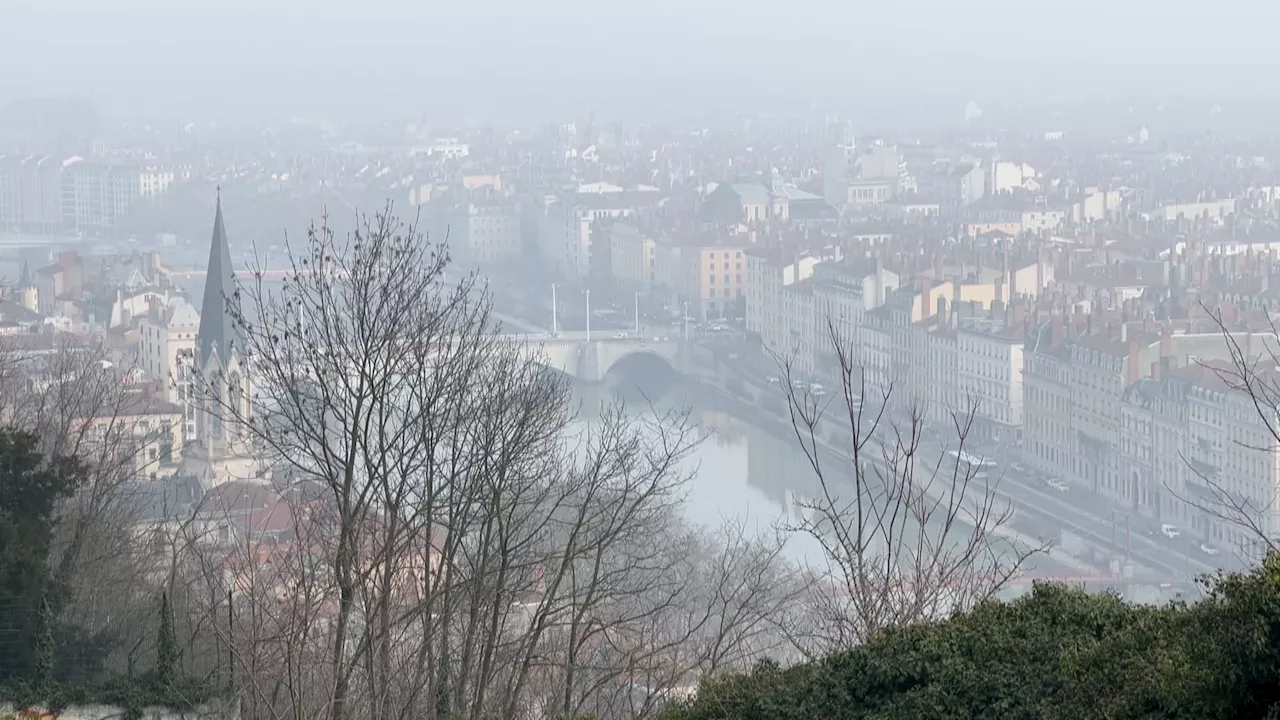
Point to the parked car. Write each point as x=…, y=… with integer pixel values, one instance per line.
x=1170, y=531
x=1056, y=484
x=1208, y=549
x=774, y=379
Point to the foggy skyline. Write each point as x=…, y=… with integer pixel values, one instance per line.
x=490, y=61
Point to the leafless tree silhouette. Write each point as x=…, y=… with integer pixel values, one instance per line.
x=907, y=534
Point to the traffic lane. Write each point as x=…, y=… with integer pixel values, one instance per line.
x=1179, y=553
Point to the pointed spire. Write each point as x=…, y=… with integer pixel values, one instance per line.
x=25, y=280
x=218, y=330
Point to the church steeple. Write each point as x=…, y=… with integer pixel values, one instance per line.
x=218, y=331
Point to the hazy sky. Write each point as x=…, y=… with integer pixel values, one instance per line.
x=482, y=59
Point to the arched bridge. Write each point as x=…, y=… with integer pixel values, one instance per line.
x=591, y=357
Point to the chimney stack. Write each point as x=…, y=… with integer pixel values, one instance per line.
x=1134, y=370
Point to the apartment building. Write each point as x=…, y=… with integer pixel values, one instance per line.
x=1013, y=214
x=50, y=195
x=844, y=292
x=1189, y=435
x=564, y=237
x=1214, y=211
x=490, y=231
x=569, y=223
x=31, y=194
x=1071, y=385
x=632, y=257
x=141, y=428
x=867, y=192
x=895, y=357
x=155, y=180
x=795, y=337
x=95, y=196
x=988, y=363
x=166, y=351
x=718, y=274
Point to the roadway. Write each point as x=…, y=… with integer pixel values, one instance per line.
x=525, y=330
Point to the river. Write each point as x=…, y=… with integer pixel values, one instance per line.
x=748, y=468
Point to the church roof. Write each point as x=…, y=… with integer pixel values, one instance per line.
x=218, y=331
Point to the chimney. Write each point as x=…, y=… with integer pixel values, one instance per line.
x=1134, y=369
x=1166, y=342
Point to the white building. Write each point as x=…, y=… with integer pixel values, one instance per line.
x=780, y=305
x=989, y=372
x=154, y=180
x=445, y=148
x=166, y=350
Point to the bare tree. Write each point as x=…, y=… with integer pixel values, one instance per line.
x=907, y=534
x=458, y=546
x=62, y=387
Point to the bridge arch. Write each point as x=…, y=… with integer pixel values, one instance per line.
x=591, y=360
x=616, y=355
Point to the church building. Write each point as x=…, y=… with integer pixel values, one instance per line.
x=222, y=448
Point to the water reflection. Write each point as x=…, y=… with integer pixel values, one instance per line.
x=751, y=470
x=741, y=472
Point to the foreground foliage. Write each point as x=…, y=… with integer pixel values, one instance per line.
x=45, y=660
x=1056, y=653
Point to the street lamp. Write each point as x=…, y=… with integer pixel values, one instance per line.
x=637, y=312
x=554, y=328
x=685, y=319
x=587, y=292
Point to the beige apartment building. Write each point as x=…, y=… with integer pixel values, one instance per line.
x=711, y=278
x=144, y=428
